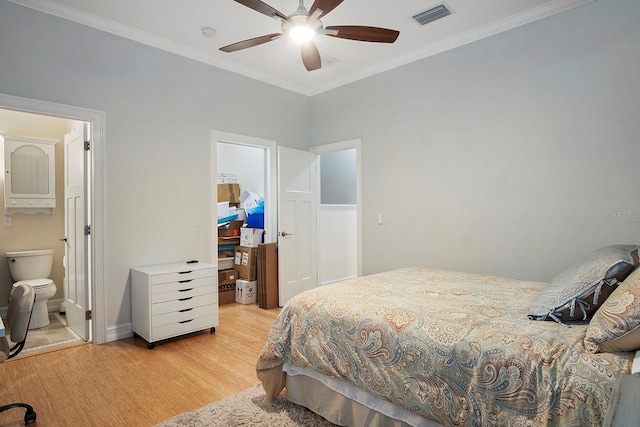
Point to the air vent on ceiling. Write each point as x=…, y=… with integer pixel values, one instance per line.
x=431, y=15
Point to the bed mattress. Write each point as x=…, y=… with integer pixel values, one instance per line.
x=452, y=347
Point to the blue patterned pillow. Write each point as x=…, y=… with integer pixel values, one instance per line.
x=576, y=293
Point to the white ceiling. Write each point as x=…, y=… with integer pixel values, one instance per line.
x=176, y=26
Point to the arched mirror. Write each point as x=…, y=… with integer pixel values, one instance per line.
x=29, y=170
x=29, y=174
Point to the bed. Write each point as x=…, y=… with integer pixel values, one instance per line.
x=428, y=347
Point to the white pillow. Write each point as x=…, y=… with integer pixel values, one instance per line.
x=577, y=292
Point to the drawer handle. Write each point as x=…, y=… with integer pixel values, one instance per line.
x=185, y=281
x=186, y=321
x=185, y=290
x=185, y=272
x=185, y=310
x=185, y=299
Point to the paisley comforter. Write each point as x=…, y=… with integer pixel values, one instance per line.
x=453, y=347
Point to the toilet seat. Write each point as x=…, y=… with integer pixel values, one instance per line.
x=35, y=283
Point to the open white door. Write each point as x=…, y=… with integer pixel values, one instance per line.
x=76, y=218
x=297, y=222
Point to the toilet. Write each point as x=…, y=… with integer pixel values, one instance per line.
x=33, y=268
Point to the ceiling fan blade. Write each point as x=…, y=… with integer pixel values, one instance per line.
x=263, y=8
x=363, y=34
x=310, y=56
x=325, y=6
x=250, y=42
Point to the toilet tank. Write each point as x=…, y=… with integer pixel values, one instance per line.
x=29, y=265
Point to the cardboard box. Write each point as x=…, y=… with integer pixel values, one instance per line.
x=223, y=209
x=249, y=200
x=227, y=277
x=229, y=193
x=268, y=275
x=245, y=261
x=232, y=229
x=233, y=241
x=226, y=292
x=227, y=296
x=227, y=252
x=227, y=178
x=251, y=237
x=225, y=263
x=246, y=291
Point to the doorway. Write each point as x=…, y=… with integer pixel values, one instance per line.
x=319, y=216
x=348, y=212
x=23, y=231
x=252, y=163
x=93, y=171
x=339, y=211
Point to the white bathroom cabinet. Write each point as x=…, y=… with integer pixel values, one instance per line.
x=29, y=174
x=173, y=299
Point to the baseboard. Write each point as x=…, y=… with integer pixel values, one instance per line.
x=114, y=333
x=118, y=332
x=52, y=306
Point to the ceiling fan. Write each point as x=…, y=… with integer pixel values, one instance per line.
x=303, y=25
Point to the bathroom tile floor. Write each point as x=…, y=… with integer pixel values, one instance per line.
x=51, y=337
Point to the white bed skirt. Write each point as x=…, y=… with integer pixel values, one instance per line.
x=344, y=404
x=635, y=367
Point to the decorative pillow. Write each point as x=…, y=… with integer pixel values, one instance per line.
x=576, y=293
x=616, y=325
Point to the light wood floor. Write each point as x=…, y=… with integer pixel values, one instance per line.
x=122, y=383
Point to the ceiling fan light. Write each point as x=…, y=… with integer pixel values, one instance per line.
x=302, y=33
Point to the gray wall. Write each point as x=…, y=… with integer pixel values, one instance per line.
x=513, y=155
x=160, y=109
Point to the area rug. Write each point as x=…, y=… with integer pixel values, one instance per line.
x=249, y=408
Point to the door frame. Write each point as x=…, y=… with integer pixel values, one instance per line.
x=96, y=202
x=270, y=196
x=341, y=146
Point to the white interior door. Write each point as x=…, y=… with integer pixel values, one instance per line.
x=76, y=217
x=297, y=222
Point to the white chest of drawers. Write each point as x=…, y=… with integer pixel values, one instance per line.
x=173, y=299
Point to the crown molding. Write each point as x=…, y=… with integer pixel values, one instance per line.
x=146, y=38
x=128, y=32
x=458, y=40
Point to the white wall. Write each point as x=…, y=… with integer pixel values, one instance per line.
x=501, y=156
x=160, y=109
x=248, y=163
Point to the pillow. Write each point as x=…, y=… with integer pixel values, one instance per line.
x=616, y=325
x=576, y=293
